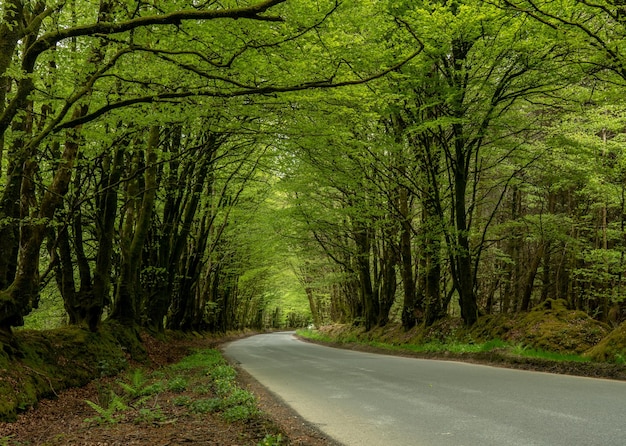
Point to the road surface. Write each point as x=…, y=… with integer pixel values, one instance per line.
x=368, y=399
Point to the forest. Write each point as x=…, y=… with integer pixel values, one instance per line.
x=222, y=164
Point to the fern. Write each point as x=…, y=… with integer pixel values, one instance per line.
x=107, y=414
x=138, y=385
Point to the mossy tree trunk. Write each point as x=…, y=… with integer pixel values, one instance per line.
x=85, y=302
x=388, y=283
x=106, y=206
x=23, y=293
x=140, y=207
x=184, y=189
x=187, y=305
x=406, y=256
x=362, y=241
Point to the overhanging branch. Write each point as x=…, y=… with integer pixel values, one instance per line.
x=253, y=12
x=243, y=91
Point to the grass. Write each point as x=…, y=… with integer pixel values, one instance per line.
x=453, y=346
x=521, y=350
x=204, y=382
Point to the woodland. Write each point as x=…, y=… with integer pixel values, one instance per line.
x=223, y=164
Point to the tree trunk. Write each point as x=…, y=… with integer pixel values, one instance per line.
x=530, y=280
x=409, y=319
x=106, y=212
x=23, y=293
x=10, y=203
x=370, y=306
x=388, y=279
x=65, y=275
x=178, y=222
x=430, y=263
x=463, y=271
x=127, y=303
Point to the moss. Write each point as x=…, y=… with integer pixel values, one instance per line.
x=548, y=326
x=557, y=306
x=553, y=327
x=612, y=348
x=492, y=326
x=53, y=360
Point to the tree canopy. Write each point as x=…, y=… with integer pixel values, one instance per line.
x=227, y=164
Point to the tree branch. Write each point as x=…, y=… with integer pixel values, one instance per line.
x=253, y=12
x=243, y=91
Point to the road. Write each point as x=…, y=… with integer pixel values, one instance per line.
x=369, y=399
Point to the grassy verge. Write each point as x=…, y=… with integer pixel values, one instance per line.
x=443, y=348
x=201, y=383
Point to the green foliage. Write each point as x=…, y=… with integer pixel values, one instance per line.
x=527, y=352
x=206, y=360
x=206, y=405
x=182, y=400
x=108, y=367
x=177, y=384
x=200, y=373
x=240, y=397
x=109, y=414
x=150, y=415
x=494, y=344
x=459, y=346
x=271, y=440
x=137, y=381
x=612, y=348
x=203, y=388
x=50, y=313
x=223, y=387
x=223, y=372
x=203, y=372
x=239, y=413
x=234, y=403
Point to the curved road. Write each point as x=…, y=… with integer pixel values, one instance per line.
x=368, y=399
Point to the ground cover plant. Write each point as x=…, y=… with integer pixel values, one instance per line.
x=200, y=383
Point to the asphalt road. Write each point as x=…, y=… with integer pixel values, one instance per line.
x=369, y=399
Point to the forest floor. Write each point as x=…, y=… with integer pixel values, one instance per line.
x=62, y=420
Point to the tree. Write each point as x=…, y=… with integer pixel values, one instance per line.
x=37, y=36
x=477, y=63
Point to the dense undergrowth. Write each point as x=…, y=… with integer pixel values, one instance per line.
x=158, y=401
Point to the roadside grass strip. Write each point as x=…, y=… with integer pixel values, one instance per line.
x=200, y=383
x=444, y=347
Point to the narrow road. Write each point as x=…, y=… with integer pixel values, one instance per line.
x=367, y=399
